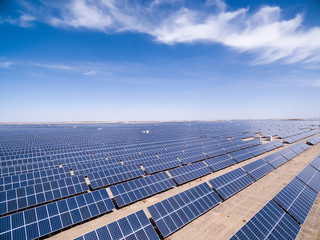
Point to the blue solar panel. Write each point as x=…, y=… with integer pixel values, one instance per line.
x=189, y=156
x=258, y=169
x=311, y=177
x=135, y=226
x=220, y=162
x=276, y=160
x=288, y=153
x=190, y=172
x=175, y=212
x=316, y=162
x=314, y=140
x=241, y=155
x=257, y=150
x=160, y=164
x=135, y=190
x=230, y=183
x=114, y=175
x=40, y=221
x=297, y=199
x=27, y=179
x=20, y=198
x=271, y=222
x=213, y=151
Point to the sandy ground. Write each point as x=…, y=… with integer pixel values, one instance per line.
x=226, y=219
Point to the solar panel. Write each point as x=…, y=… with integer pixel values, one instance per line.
x=49, y=218
x=288, y=153
x=231, y=182
x=311, y=177
x=190, y=172
x=314, y=140
x=213, y=151
x=241, y=155
x=258, y=169
x=316, y=163
x=220, y=162
x=160, y=165
x=20, y=198
x=134, y=226
x=27, y=179
x=189, y=156
x=297, y=199
x=114, y=175
x=276, y=160
x=135, y=190
x=271, y=222
x=175, y=212
x=257, y=150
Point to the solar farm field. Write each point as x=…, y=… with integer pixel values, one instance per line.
x=160, y=180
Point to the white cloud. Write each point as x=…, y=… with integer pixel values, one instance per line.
x=316, y=83
x=90, y=73
x=264, y=33
x=52, y=66
x=5, y=64
x=24, y=20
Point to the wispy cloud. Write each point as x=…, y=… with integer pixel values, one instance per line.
x=316, y=83
x=5, y=64
x=23, y=20
x=56, y=66
x=264, y=33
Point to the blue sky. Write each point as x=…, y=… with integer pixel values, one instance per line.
x=92, y=60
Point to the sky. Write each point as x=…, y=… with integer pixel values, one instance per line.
x=130, y=60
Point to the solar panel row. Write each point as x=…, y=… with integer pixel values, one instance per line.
x=115, y=175
x=231, y=182
x=175, y=212
x=49, y=218
x=26, y=179
x=20, y=198
x=133, y=226
x=271, y=222
x=258, y=169
x=314, y=140
x=316, y=163
x=280, y=218
x=135, y=190
x=161, y=164
x=227, y=160
x=311, y=177
x=187, y=173
x=297, y=199
x=300, y=136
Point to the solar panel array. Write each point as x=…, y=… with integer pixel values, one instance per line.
x=281, y=217
x=316, y=163
x=311, y=177
x=258, y=169
x=49, y=218
x=231, y=182
x=133, y=226
x=138, y=189
x=21, y=198
x=314, y=140
x=297, y=199
x=271, y=222
x=114, y=175
x=43, y=188
x=27, y=179
x=190, y=172
x=284, y=155
x=300, y=136
x=175, y=212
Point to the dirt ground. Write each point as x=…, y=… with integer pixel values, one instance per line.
x=226, y=219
